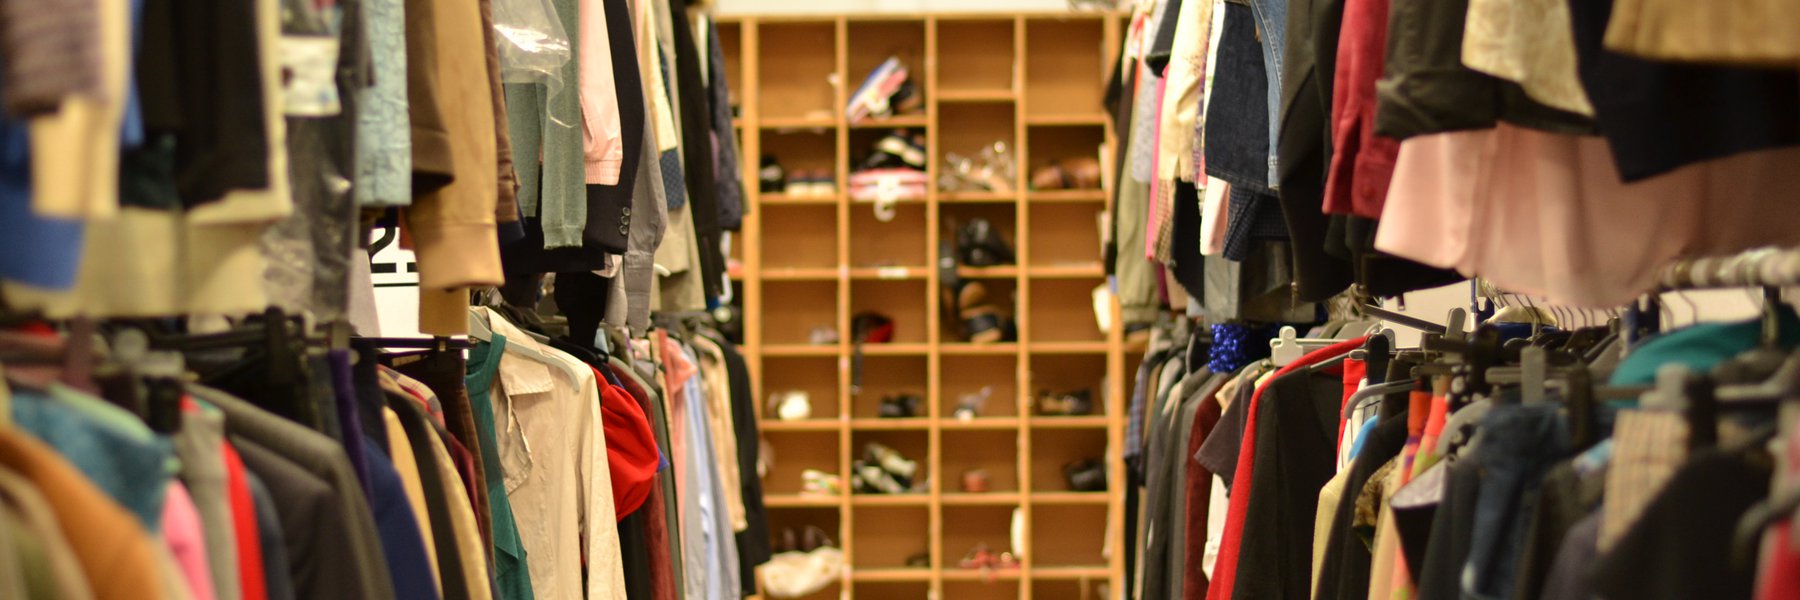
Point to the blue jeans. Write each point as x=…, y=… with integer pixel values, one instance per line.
x=1518, y=446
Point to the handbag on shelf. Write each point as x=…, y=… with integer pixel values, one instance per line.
x=803, y=569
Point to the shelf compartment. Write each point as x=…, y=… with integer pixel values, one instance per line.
x=891, y=589
x=798, y=518
x=812, y=251
x=792, y=309
x=1053, y=448
x=966, y=129
x=975, y=55
x=997, y=452
x=1063, y=142
x=898, y=243
x=1002, y=294
x=797, y=69
x=904, y=301
x=1081, y=541
x=872, y=42
x=886, y=376
x=802, y=146
x=1064, y=584
x=1075, y=227
x=1067, y=66
x=999, y=374
x=816, y=376
x=1062, y=373
x=913, y=445
x=797, y=451
x=1005, y=220
x=1062, y=310
x=885, y=536
x=965, y=527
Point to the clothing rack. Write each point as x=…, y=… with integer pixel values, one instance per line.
x=1761, y=267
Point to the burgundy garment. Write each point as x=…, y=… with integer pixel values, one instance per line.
x=656, y=516
x=1362, y=162
x=1197, y=501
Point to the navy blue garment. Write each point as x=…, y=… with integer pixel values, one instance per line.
x=401, y=541
x=1659, y=116
x=1255, y=216
x=1237, y=116
x=1519, y=445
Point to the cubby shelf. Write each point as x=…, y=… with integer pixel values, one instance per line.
x=813, y=264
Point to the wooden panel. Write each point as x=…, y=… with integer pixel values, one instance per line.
x=892, y=590
x=975, y=56
x=797, y=67
x=1065, y=72
x=980, y=589
x=1072, y=589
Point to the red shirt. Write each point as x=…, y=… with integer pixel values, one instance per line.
x=243, y=525
x=631, y=453
x=1225, y=572
x=1362, y=162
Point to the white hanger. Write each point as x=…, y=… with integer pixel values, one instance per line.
x=1288, y=347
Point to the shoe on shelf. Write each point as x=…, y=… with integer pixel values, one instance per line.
x=890, y=460
x=901, y=406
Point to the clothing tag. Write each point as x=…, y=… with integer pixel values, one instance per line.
x=309, y=75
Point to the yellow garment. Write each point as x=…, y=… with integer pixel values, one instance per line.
x=462, y=522
x=1387, y=540
x=75, y=150
x=1753, y=32
x=408, y=466
x=1530, y=42
x=1323, y=518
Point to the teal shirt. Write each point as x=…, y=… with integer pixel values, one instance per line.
x=111, y=447
x=1700, y=347
x=510, y=573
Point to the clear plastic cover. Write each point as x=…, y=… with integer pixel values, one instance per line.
x=534, y=46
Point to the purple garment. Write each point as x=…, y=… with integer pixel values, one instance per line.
x=343, y=385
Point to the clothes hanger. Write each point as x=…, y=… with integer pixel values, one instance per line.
x=1287, y=347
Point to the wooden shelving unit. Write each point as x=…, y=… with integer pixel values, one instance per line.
x=1034, y=82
